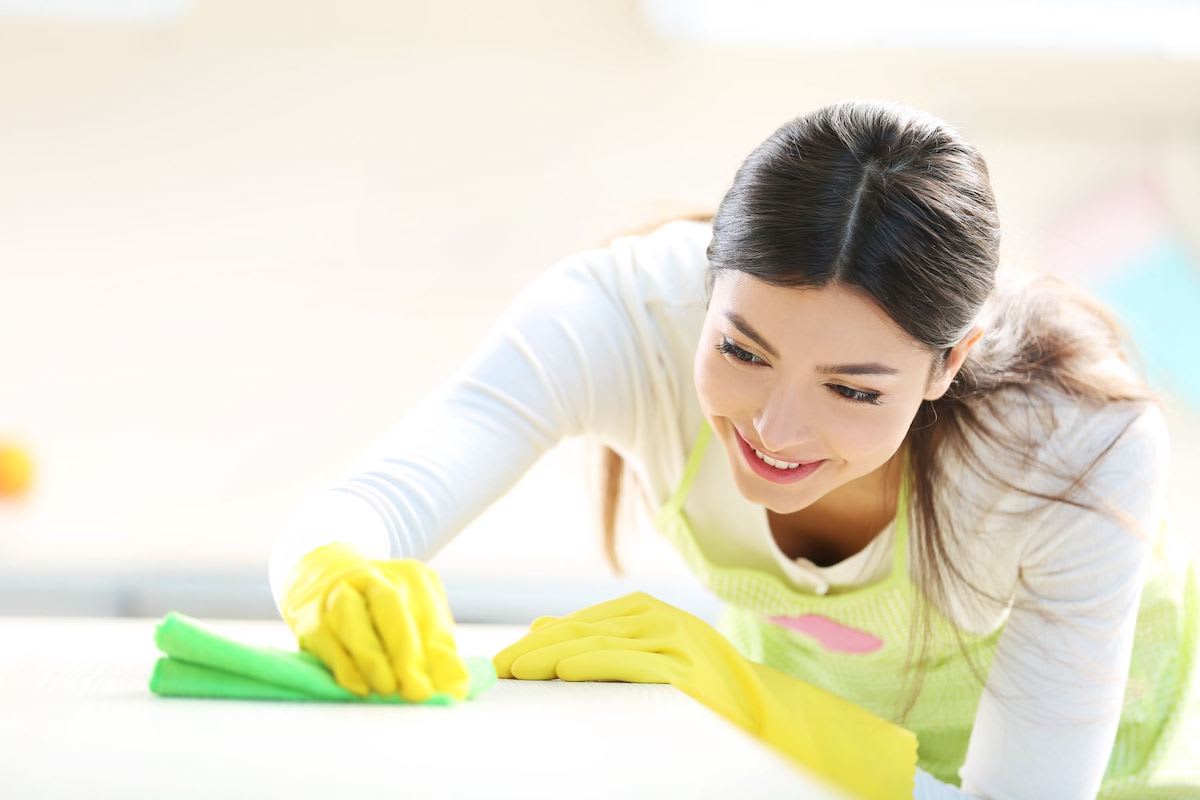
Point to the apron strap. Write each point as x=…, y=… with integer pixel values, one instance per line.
x=691, y=468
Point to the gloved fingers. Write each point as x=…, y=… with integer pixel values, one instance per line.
x=630, y=625
x=562, y=630
x=541, y=622
x=394, y=607
x=631, y=604
x=541, y=664
x=548, y=634
x=449, y=671
x=320, y=566
x=631, y=666
x=351, y=623
x=436, y=623
x=310, y=579
x=437, y=608
x=324, y=645
x=643, y=613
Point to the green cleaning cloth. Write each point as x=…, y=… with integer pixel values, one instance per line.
x=200, y=663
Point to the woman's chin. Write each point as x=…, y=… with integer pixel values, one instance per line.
x=779, y=499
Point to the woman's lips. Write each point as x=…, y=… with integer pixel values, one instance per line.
x=775, y=474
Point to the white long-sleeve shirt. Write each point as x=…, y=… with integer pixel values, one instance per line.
x=602, y=345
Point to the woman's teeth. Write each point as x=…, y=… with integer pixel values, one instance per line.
x=776, y=464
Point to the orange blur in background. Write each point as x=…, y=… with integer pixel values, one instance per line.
x=16, y=470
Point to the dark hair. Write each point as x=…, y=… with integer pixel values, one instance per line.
x=894, y=204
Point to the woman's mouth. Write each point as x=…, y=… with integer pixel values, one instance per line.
x=772, y=473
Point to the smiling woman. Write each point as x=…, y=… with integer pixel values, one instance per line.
x=868, y=233
x=936, y=490
x=791, y=407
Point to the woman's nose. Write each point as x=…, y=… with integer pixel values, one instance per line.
x=786, y=421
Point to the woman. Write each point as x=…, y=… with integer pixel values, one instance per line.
x=925, y=488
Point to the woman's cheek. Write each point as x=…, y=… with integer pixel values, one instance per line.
x=707, y=385
x=879, y=432
x=720, y=387
x=858, y=441
x=861, y=434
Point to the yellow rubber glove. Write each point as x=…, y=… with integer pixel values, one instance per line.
x=379, y=625
x=640, y=639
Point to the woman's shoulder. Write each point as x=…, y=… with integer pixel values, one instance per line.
x=1002, y=519
x=1113, y=455
x=661, y=268
x=668, y=262
x=1051, y=421
x=1036, y=442
x=1118, y=435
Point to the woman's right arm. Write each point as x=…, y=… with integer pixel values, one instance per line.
x=574, y=353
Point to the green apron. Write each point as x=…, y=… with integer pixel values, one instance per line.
x=854, y=644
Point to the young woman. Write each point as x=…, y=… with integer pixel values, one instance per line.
x=926, y=487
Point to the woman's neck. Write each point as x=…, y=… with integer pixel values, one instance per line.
x=846, y=520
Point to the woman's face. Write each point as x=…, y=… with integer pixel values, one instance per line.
x=809, y=375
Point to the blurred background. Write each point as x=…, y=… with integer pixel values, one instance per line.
x=238, y=240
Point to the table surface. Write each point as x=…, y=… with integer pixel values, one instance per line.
x=77, y=719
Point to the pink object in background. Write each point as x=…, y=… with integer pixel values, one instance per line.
x=1099, y=235
x=832, y=635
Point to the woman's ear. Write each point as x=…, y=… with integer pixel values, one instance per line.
x=954, y=362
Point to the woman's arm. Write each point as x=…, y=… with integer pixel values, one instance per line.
x=1048, y=717
x=576, y=352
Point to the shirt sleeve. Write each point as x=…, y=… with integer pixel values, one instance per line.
x=566, y=357
x=1048, y=716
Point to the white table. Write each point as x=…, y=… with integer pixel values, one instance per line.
x=77, y=720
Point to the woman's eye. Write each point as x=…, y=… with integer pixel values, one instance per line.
x=729, y=348
x=853, y=395
x=856, y=396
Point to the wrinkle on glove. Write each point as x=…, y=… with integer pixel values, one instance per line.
x=201, y=663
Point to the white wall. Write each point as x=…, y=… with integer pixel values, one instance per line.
x=236, y=247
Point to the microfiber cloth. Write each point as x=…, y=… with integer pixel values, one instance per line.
x=200, y=663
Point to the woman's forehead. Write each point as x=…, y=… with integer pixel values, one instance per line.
x=834, y=314
x=747, y=295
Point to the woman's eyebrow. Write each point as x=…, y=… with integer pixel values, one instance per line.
x=748, y=330
x=870, y=368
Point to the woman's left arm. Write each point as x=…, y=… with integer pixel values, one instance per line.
x=1048, y=717
x=1087, y=570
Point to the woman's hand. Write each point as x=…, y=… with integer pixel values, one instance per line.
x=381, y=626
x=640, y=639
